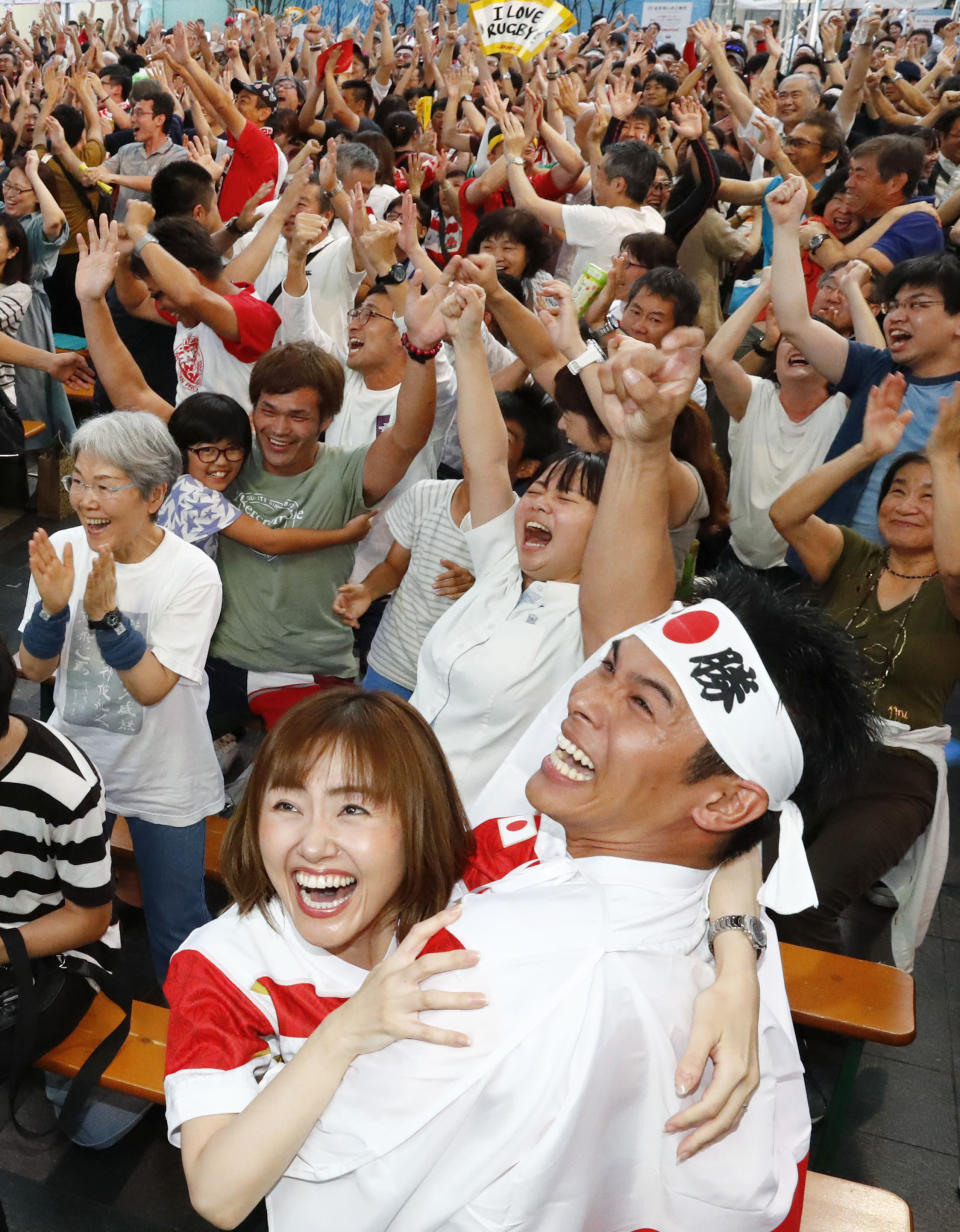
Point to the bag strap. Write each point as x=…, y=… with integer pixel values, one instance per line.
x=92, y=1069
x=25, y=1026
x=77, y=187
x=275, y=293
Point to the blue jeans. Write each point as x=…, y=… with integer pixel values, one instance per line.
x=373, y=680
x=170, y=860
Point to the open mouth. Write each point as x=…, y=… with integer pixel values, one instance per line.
x=570, y=761
x=278, y=444
x=95, y=526
x=797, y=361
x=536, y=535
x=897, y=337
x=324, y=894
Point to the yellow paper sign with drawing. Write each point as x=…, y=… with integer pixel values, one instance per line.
x=521, y=28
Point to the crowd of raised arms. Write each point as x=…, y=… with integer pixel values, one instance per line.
x=425, y=381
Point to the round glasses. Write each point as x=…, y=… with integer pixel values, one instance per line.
x=210, y=453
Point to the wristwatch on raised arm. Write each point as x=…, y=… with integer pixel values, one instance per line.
x=592, y=354
x=112, y=620
x=749, y=925
x=395, y=276
x=817, y=241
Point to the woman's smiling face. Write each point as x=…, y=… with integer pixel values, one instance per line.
x=335, y=857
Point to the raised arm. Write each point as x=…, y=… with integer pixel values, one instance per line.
x=823, y=346
x=710, y=37
x=121, y=377
x=794, y=514
x=524, y=194
x=628, y=571
x=209, y=93
x=943, y=451
x=732, y=384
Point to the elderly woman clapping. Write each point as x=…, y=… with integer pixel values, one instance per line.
x=124, y=612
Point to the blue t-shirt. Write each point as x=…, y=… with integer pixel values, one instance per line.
x=855, y=504
x=915, y=235
x=196, y=513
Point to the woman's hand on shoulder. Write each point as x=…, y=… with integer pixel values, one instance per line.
x=388, y=1005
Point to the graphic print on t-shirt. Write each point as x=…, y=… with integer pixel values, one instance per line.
x=189, y=359
x=95, y=695
x=270, y=511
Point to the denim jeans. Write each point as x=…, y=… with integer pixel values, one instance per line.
x=170, y=860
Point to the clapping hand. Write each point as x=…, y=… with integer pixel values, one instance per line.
x=883, y=422
x=52, y=576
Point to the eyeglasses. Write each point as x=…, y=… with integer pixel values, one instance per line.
x=910, y=305
x=72, y=484
x=140, y=111
x=210, y=453
x=393, y=216
x=12, y=190
x=798, y=141
x=363, y=315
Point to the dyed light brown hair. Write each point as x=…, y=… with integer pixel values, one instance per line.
x=388, y=749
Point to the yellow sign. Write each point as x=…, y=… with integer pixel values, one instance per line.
x=521, y=28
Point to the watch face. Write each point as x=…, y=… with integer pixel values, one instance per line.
x=113, y=620
x=756, y=931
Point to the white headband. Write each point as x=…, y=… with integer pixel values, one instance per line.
x=717, y=668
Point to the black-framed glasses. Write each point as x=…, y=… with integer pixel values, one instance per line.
x=363, y=315
x=210, y=453
x=801, y=141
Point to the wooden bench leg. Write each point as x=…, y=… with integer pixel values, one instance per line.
x=831, y=1129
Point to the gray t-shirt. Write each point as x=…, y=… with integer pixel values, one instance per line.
x=277, y=609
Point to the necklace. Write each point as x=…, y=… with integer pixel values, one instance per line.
x=881, y=658
x=911, y=577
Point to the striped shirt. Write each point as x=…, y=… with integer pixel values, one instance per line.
x=53, y=840
x=418, y=520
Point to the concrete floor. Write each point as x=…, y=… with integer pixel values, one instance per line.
x=903, y=1131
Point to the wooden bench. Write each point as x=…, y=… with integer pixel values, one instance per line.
x=853, y=998
x=833, y=1205
x=32, y=427
x=830, y=1204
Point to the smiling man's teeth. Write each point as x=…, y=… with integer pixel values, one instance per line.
x=574, y=751
x=568, y=772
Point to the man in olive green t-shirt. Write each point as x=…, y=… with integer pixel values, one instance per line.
x=277, y=616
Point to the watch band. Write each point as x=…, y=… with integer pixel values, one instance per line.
x=751, y=927
x=593, y=354
x=817, y=241
x=515, y=161
x=112, y=620
x=142, y=242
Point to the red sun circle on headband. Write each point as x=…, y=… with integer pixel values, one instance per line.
x=690, y=627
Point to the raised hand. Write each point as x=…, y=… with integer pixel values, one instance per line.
x=883, y=422
x=621, y=97
x=645, y=387
x=788, y=201
x=479, y=268
x=944, y=440
x=53, y=577
x=97, y=264
x=462, y=311
x=100, y=595
x=426, y=325
x=687, y=118
x=559, y=318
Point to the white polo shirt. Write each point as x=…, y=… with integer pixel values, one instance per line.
x=487, y=664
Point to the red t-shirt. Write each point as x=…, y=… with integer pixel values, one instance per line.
x=470, y=215
x=254, y=161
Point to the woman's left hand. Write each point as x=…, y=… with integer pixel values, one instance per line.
x=100, y=595
x=388, y=1005
x=724, y=1030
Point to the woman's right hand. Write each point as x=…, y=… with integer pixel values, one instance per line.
x=53, y=576
x=388, y=1005
x=883, y=421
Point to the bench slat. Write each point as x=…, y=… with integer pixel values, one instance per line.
x=849, y=996
x=834, y=1205
x=137, y=1068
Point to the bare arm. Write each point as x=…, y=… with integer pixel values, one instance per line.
x=732, y=384
x=943, y=452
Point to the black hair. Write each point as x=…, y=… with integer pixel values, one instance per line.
x=634, y=162
x=572, y=398
x=756, y=63
x=835, y=183
x=944, y=123
x=818, y=673
x=188, y=241
x=206, y=417
x=363, y=88
x=8, y=680
x=673, y=285
x=387, y=107
x=536, y=415
x=938, y=270
x=894, y=469
x=71, y=121
x=577, y=471
x=179, y=187
x=423, y=210
x=667, y=80
x=522, y=227
x=18, y=267
x=401, y=128
x=117, y=72
x=643, y=112
x=650, y=249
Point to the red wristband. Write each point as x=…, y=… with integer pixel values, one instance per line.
x=417, y=353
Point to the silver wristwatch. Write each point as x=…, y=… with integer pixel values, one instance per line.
x=142, y=242
x=749, y=925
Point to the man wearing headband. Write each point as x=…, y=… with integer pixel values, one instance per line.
x=670, y=752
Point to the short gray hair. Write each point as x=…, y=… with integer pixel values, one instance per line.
x=353, y=156
x=812, y=85
x=137, y=443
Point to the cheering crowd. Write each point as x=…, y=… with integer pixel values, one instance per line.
x=430, y=383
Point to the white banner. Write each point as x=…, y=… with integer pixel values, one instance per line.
x=519, y=27
x=672, y=19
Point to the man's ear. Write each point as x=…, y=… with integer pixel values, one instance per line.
x=731, y=807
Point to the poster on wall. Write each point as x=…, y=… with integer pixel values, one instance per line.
x=672, y=19
x=519, y=27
